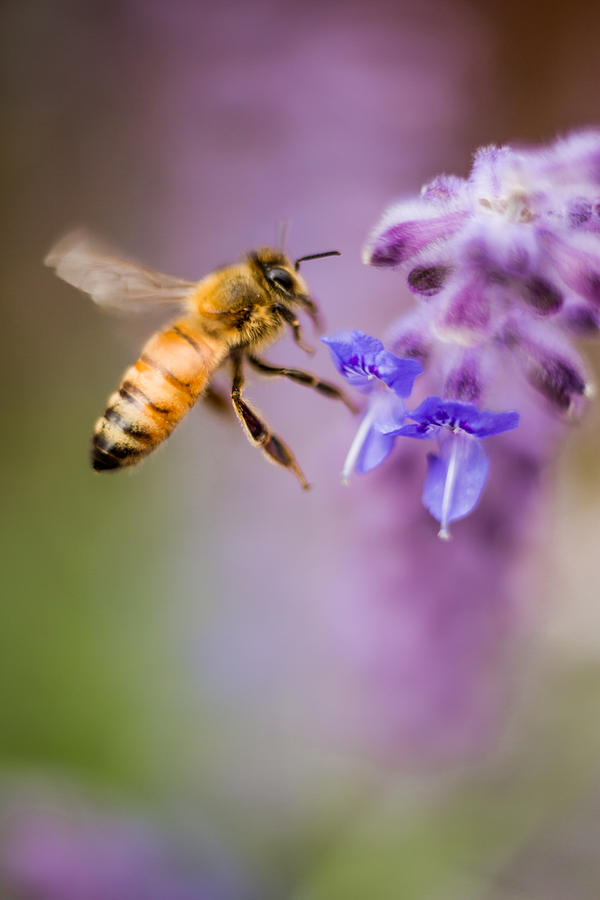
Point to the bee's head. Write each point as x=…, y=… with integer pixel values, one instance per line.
x=279, y=276
x=282, y=278
x=280, y=290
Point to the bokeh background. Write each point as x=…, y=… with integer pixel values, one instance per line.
x=212, y=685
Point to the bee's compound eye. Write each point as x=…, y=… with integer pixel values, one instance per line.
x=282, y=278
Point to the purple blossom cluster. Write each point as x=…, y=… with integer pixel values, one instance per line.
x=506, y=264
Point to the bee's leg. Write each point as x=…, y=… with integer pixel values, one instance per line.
x=312, y=311
x=258, y=431
x=324, y=387
x=217, y=401
x=294, y=324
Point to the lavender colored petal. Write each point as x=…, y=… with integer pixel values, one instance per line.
x=578, y=268
x=579, y=212
x=465, y=381
x=373, y=440
x=555, y=378
x=490, y=165
x=549, y=364
x=487, y=423
x=455, y=479
x=444, y=188
x=574, y=158
x=583, y=213
x=350, y=345
x=354, y=354
x=493, y=246
x=360, y=357
x=398, y=242
x=422, y=431
x=468, y=308
x=581, y=319
x=412, y=335
x=389, y=413
x=454, y=414
x=375, y=449
x=432, y=411
x=399, y=374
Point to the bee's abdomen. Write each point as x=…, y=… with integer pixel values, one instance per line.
x=154, y=395
x=120, y=438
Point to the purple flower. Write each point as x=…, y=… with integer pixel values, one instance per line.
x=455, y=478
x=520, y=235
x=361, y=358
x=435, y=414
x=363, y=361
x=506, y=267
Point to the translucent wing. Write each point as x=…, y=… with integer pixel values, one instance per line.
x=112, y=282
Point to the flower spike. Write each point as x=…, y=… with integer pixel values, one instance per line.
x=505, y=267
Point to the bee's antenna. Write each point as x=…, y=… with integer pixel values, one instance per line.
x=283, y=227
x=316, y=256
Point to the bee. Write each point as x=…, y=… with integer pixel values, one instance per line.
x=225, y=320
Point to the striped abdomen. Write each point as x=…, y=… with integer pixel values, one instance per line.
x=155, y=394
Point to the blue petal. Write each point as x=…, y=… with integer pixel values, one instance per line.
x=375, y=449
x=432, y=411
x=423, y=431
x=389, y=412
x=399, y=374
x=360, y=357
x=455, y=479
x=453, y=414
x=354, y=354
x=371, y=444
x=488, y=423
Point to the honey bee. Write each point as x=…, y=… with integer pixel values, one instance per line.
x=225, y=320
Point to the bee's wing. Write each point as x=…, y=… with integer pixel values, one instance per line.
x=112, y=282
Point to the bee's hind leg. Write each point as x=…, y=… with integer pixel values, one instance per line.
x=258, y=431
